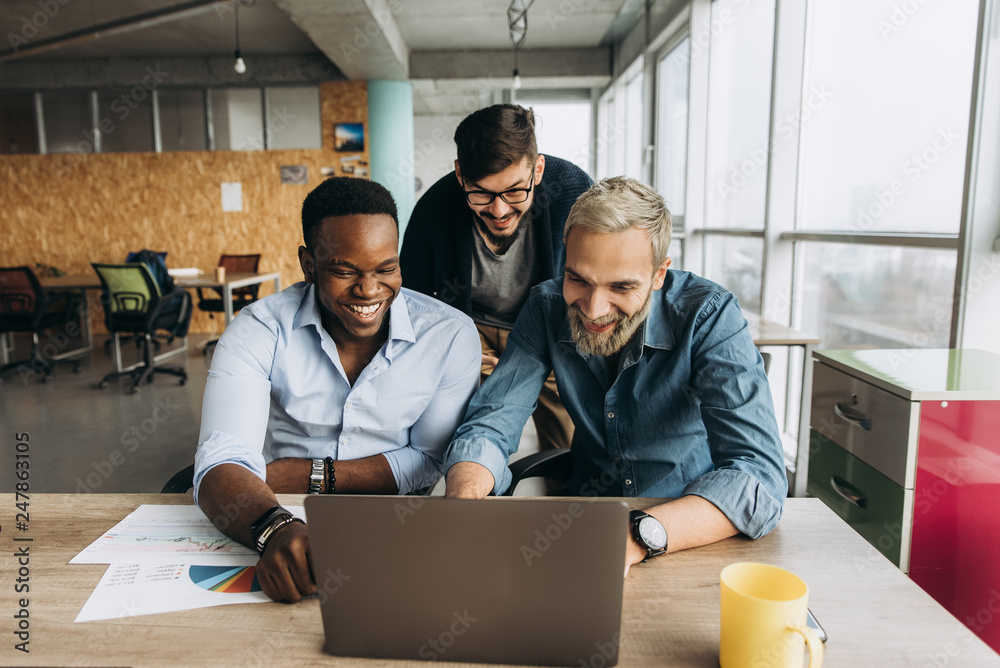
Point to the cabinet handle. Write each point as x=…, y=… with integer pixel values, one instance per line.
x=855, y=417
x=849, y=492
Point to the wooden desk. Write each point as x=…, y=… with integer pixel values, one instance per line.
x=768, y=333
x=873, y=613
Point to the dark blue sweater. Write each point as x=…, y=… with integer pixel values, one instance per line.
x=437, y=247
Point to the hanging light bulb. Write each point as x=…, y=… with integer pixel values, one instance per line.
x=517, y=80
x=240, y=66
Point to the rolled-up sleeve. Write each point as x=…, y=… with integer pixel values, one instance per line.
x=237, y=399
x=419, y=464
x=748, y=483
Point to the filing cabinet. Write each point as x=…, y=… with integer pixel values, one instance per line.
x=905, y=447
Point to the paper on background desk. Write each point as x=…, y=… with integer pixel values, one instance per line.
x=185, y=272
x=144, y=589
x=159, y=535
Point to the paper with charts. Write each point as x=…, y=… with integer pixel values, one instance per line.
x=144, y=589
x=154, y=534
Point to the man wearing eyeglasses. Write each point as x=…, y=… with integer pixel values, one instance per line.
x=482, y=236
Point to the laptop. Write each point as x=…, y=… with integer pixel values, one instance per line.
x=505, y=580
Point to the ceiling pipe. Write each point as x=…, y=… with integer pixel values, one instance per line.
x=128, y=24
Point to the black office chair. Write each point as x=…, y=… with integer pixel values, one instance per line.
x=180, y=482
x=133, y=305
x=211, y=300
x=556, y=465
x=25, y=307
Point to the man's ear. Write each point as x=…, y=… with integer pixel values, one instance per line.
x=307, y=264
x=661, y=274
x=458, y=173
x=539, y=168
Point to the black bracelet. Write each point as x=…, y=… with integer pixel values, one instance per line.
x=331, y=479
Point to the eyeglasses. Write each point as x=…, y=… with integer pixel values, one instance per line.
x=512, y=196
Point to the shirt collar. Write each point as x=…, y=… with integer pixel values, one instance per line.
x=400, y=326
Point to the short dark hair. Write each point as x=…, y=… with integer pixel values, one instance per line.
x=492, y=139
x=344, y=196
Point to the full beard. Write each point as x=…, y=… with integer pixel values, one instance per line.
x=605, y=344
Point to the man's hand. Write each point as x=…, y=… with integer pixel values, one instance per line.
x=634, y=553
x=489, y=362
x=284, y=570
x=468, y=480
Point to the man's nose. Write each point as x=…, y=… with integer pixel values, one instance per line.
x=594, y=305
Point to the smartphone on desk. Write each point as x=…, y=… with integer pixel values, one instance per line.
x=814, y=625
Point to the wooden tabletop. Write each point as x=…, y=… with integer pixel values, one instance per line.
x=874, y=614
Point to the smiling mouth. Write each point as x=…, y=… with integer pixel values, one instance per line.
x=365, y=311
x=593, y=327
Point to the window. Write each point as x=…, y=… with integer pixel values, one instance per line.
x=608, y=134
x=18, y=128
x=885, y=121
x=634, y=145
x=293, y=118
x=69, y=125
x=125, y=119
x=237, y=119
x=856, y=296
x=562, y=129
x=671, y=136
x=182, y=120
x=739, y=113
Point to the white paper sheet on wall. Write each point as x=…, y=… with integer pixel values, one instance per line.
x=232, y=196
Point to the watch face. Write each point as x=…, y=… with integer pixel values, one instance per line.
x=652, y=533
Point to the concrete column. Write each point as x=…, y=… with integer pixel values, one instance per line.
x=390, y=132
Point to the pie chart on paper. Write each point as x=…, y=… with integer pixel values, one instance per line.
x=225, y=579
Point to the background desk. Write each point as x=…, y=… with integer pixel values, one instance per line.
x=767, y=333
x=874, y=614
x=233, y=281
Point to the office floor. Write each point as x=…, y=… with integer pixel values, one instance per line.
x=85, y=440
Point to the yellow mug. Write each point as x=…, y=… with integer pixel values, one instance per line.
x=764, y=619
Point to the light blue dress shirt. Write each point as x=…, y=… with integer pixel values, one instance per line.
x=689, y=411
x=277, y=388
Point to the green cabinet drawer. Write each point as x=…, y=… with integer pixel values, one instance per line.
x=875, y=506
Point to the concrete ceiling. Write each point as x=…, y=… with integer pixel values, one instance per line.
x=449, y=48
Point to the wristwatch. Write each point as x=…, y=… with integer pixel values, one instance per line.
x=316, y=476
x=649, y=533
x=264, y=526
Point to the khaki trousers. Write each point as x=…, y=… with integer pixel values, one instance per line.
x=554, y=426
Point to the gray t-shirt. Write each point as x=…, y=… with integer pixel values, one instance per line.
x=500, y=283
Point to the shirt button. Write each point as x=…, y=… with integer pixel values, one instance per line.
x=618, y=459
x=611, y=415
x=347, y=405
x=628, y=481
x=345, y=440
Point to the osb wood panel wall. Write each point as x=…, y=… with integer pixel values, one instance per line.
x=69, y=210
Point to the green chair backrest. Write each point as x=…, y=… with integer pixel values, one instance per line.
x=130, y=287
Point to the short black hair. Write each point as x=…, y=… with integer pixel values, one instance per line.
x=344, y=196
x=492, y=139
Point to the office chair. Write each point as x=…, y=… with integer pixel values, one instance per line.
x=133, y=305
x=557, y=464
x=234, y=264
x=24, y=307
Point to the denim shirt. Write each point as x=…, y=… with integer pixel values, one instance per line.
x=690, y=411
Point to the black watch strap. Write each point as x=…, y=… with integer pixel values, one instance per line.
x=635, y=517
x=267, y=524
